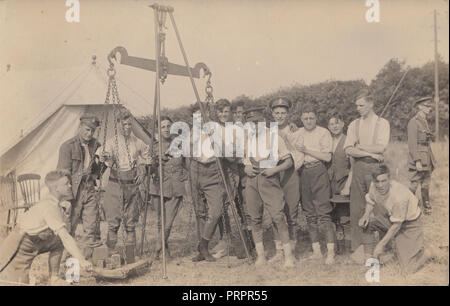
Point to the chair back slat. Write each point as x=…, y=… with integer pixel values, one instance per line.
x=30, y=187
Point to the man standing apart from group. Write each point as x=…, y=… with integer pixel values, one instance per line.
x=367, y=140
x=421, y=160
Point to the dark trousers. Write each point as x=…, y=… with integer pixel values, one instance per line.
x=29, y=248
x=85, y=210
x=362, y=177
x=408, y=242
x=264, y=194
x=315, y=193
x=206, y=181
x=121, y=203
x=171, y=207
x=292, y=198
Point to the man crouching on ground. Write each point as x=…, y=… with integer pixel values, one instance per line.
x=42, y=230
x=392, y=210
x=263, y=191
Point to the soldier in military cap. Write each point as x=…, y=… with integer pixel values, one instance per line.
x=263, y=191
x=77, y=156
x=290, y=180
x=421, y=161
x=127, y=157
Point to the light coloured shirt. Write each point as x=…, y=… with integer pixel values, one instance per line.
x=87, y=156
x=139, y=152
x=43, y=215
x=318, y=140
x=251, y=149
x=400, y=202
x=289, y=139
x=367, y=134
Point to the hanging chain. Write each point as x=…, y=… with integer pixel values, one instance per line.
x=164, y=62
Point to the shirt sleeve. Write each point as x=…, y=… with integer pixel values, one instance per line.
x=370, y=196
x=144, y=151
x=383, y=133
x=399, y=210
x=297, y=156
x=54, y=219
x=326, y=142
x=351, y=138
x=283, y=151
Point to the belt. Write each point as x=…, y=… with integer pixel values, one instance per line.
x=368, y=160
x=116, y=180
x=423, y=143
x=312, y=165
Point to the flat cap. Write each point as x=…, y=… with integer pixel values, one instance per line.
x=90, y=120
x=254, y=114
x=423, y=100
x=280, y=101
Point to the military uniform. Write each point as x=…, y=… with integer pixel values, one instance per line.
x=77, y=157
x=122, y=198
x=174, y=177
x=419, y=139
x=37, y=234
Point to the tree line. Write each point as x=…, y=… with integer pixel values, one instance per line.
x=335, y=95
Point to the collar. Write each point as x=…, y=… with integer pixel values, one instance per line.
x=50, y=197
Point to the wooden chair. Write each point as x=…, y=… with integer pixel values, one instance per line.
x=30, y=187
x=8, y=202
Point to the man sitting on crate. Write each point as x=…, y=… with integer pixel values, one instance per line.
x=42, y=230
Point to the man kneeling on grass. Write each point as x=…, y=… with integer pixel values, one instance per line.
x=393, y=211
x=42, y=230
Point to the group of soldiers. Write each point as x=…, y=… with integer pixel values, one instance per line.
x=314, y=165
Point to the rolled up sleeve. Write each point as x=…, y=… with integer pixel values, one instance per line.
x=383, y=133
x=351, y=138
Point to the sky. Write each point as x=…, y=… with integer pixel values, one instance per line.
x=252, y=47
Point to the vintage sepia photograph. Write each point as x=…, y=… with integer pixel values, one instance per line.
x=224, y=143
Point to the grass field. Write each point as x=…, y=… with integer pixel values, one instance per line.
x=232, y=271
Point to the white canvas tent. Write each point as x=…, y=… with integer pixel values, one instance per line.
x=37, y=150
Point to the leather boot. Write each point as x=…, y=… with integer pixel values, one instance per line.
x=426, y=201
x=130, y=254
x=111, y=241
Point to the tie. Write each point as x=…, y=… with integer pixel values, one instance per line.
x=87, y=157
